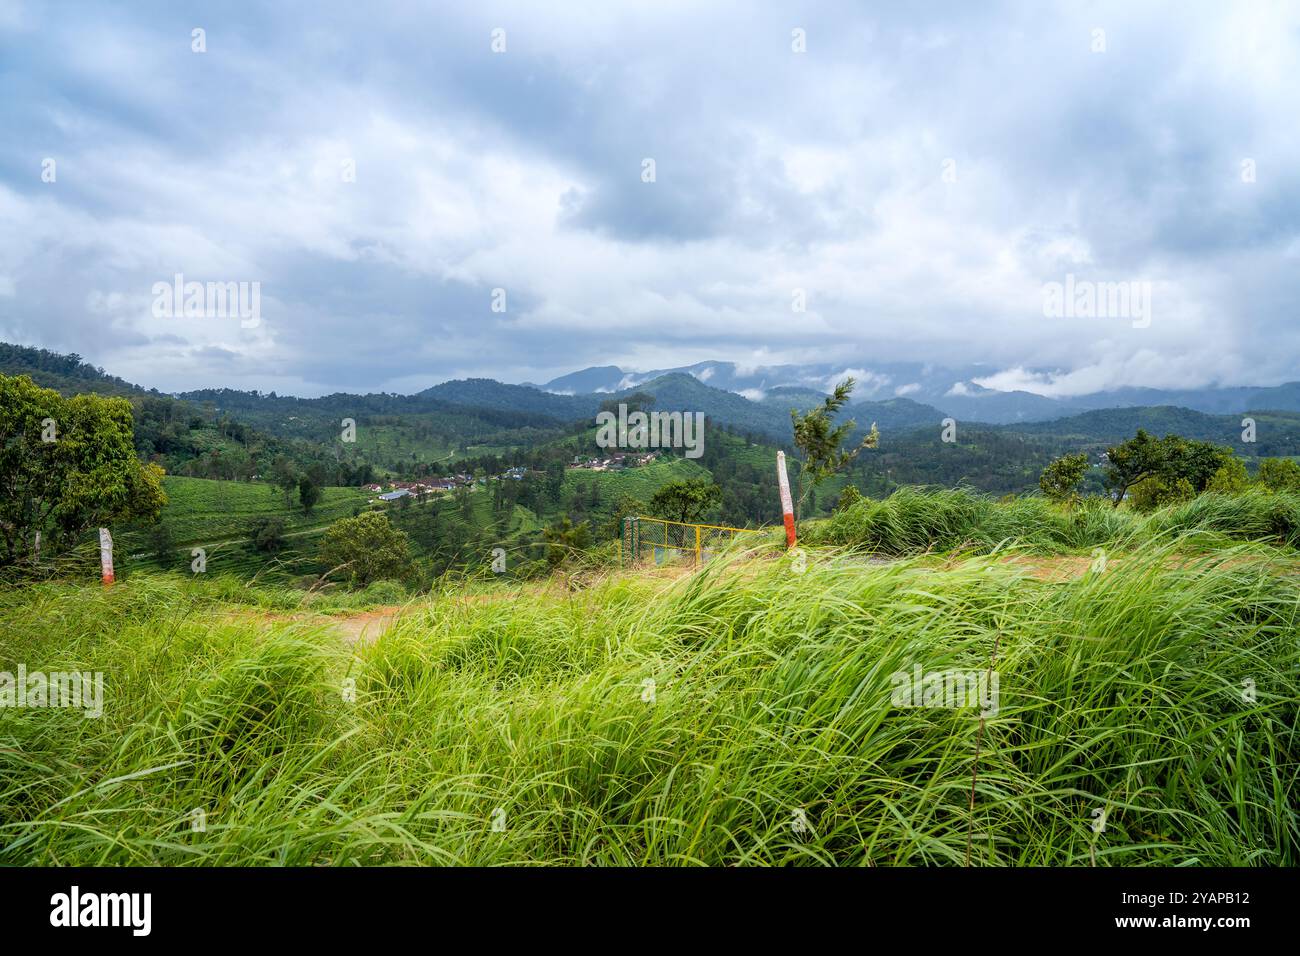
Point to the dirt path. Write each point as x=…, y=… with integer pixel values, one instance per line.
x=365, y=627
x=362, y=627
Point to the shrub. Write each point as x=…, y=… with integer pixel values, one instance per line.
x=368, y=547
x=1279, y=474
x=1157, y=492
x=1060, y=480
x=268, y=533
x=849, y=497
x=1230, y=479
x=384, y=592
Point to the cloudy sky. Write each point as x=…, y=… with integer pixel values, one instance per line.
x=919, y=174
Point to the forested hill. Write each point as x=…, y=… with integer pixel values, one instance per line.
x=1276, y=433
x=521, y=399
x=66, y=374
x=481, y=423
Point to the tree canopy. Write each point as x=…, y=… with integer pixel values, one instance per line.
x=368, y=547
x=1166, y=468
x=1060, y=480
x=67, y=465
x=685, y=501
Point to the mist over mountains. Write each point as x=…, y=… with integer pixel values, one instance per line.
x=896, y=396
x=953, y=391
x=484, y=424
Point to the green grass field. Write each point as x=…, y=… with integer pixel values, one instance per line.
x=199, y=509
x=743, y=715
x=407, y=441
x=217, y=515
x=640, y=483
x=912, y=520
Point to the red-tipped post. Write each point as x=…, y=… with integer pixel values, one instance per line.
x=787, y=507
x=106, y=555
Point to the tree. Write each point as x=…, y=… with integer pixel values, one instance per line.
x=1170, y=468
x=1279, y=474
x=368, y=546
x=1060, y=480
x=1155, y=491
x=820, y=454
x=285, y=477
x=67, y=465
x=318, y=474
x=1230, y=479
x=627, y=507
x=268, y=533
x=1130, y=462
x=555, y=480
x=685, y=501
x=565, y=540
x=161, y=543
x=1194, y=461
x=636, y=402
x=308, y=493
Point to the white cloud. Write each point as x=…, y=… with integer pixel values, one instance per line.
x=866, y=382
x=820, y=173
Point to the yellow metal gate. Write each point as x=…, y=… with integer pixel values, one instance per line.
x=657, y=540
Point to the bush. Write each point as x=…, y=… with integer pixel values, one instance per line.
x=1061, y=478
x=1279, y=474
x=849, y=497
x=384, y=592
x=1156, y=492
x=1230, y=479
x=566, y=540
x=268, y=533
x=368, y=547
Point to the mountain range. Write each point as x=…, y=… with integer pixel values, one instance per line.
x=753, y=400
x=954, y=392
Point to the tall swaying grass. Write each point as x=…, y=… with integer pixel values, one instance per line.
x=488, y=729
x=913, y=520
